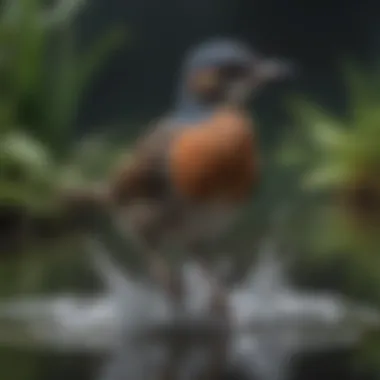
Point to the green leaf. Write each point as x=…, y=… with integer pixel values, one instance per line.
x=63, y=13
x=62, y=97
x=363, y=92
x=19, y=147
x=307, y=112
x=29, y=46
x=328, y=176
x=98, y=54
x=73, y=75
x=328, y=137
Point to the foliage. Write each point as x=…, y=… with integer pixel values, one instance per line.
x=44, y=78
x=338, y=165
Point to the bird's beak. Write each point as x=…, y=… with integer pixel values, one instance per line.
x=270, y=70
x=263, y=72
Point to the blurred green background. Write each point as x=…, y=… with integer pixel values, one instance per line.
x=78, y=81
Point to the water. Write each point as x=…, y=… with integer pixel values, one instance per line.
x=269, y=322
x=280, y=321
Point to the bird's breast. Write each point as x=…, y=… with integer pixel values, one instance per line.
x=215, y=160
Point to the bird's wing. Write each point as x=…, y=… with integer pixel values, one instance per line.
x=142, y=175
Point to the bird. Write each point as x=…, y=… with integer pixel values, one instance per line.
x=190, y=175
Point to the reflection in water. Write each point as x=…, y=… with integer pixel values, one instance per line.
x=269, y=323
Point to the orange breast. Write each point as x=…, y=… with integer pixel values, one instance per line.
x=216, y=159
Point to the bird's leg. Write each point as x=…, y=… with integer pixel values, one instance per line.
x=144, y=223
x=201, y=253
x=171, y=282
x=218, y=307
x=219, y=347
x=158, y=269
x=165, y=276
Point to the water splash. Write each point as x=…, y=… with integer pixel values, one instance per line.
x=279, y=321
x=271, y=321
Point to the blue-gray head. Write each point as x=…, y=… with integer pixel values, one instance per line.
x=222, y=70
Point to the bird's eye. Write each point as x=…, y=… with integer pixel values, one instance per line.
x=233, y=72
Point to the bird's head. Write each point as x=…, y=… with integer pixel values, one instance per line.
x=225, y=71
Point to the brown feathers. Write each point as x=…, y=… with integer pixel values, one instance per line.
x=142, y=175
